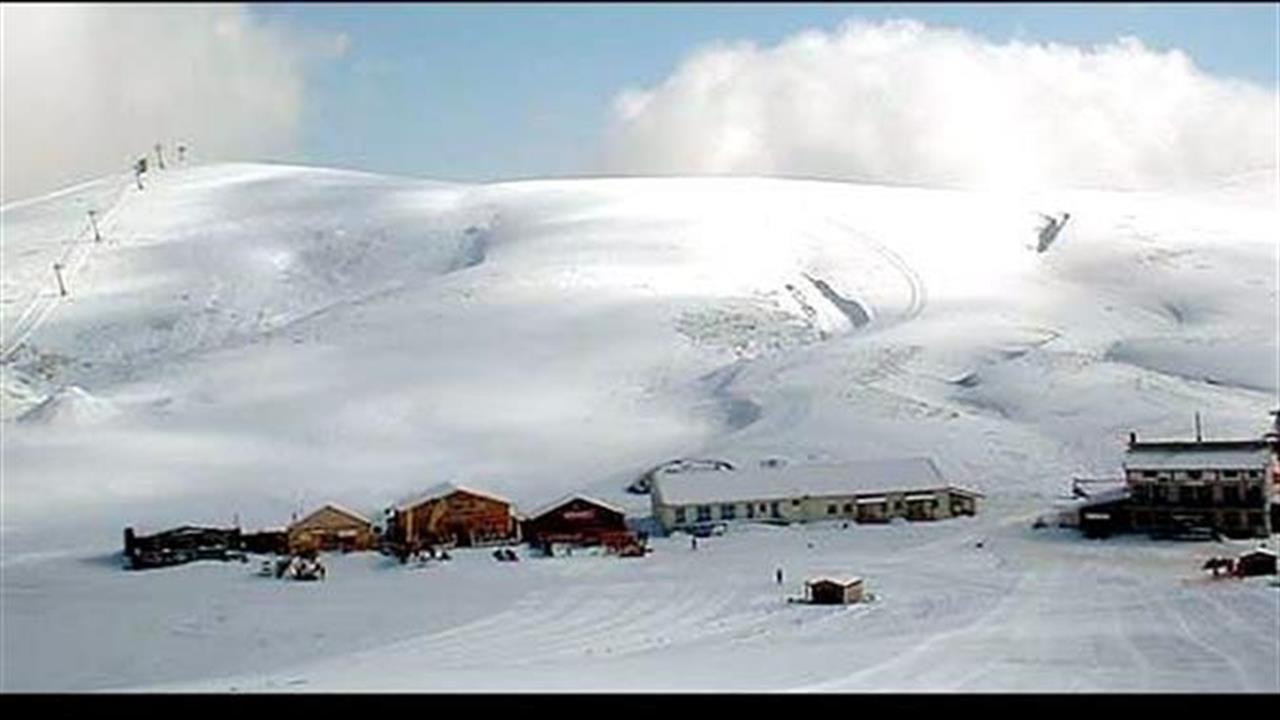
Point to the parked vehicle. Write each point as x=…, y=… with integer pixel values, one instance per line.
x=305, y=568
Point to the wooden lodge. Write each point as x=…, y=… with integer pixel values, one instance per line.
x=834, y=591
x=332, y=528
x=578, y=521
x=451, y=515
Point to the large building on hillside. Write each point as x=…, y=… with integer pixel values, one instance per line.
x=1226, y=485
x=865, y=492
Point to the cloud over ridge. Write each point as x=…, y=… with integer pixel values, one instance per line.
x=87, y=88
x=902, y=102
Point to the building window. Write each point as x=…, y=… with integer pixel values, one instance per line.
x=775, y=509
x=728, y=512
x=704, y=513
x=1231, y=495
x=831, y=509
x=751, y=510
x=1185, y=495
x=1230, y=519
x=1194, y=474
x=848, y=508
x=1141, y=493
x=680, y=516
x=795, y=503
x=1255, y=495
x=1148, y=473
x=1229, y=473
x=1204, y=495
x=1254, y=474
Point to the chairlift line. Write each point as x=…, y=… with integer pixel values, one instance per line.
x=73, y=257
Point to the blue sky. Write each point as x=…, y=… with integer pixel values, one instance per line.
x=481, y=92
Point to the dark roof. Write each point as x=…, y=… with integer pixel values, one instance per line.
x=193, y=530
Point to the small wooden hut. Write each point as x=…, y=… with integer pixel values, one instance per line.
x=834, y=590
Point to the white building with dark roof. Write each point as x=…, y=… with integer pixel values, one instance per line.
x=866, y=491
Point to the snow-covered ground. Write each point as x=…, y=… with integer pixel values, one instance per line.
x=251, y=340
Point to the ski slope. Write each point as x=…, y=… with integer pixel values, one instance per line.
x=252, y=340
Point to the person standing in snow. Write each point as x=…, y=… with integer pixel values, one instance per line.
x=693, y=542
x=778, y=575
x=139, y=169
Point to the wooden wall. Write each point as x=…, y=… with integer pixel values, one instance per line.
x=577, y=520
x=460, y=518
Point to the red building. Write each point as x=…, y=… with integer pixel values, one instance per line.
x=581, y=521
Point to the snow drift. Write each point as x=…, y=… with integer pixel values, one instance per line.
x=69, y=406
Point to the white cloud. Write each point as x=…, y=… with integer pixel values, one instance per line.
x=901, y=102
x=88, y=88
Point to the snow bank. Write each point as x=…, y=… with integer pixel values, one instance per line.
x=69, y=406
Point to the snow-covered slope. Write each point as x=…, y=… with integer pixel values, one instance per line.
x=268, y=338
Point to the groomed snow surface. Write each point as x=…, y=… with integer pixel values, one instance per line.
x=250, y=341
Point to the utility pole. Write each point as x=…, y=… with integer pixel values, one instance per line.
x=57, y=271
x=160, y=156
x=1199, y=436
x=93, y=221
x=139, y=168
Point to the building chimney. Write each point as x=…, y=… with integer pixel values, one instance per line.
x=1133, y=438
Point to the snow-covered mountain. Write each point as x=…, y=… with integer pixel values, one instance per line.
x=251, y=340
